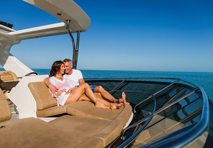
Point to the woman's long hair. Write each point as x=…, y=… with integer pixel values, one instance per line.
x=55, y=68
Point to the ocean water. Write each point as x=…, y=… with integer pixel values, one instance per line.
x=203, y=79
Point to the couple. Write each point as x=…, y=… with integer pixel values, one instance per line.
x=70, y=87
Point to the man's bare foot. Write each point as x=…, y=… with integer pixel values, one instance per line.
x=123, y=99
x=100, y=105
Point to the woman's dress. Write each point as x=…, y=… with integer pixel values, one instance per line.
x=65, y=84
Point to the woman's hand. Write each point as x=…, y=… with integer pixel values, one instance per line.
x=60, y=92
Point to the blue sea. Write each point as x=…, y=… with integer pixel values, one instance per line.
x=204, y=79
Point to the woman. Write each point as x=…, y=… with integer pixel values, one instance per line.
x=64, y=85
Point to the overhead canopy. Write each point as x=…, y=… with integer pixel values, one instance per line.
x=65, y=10
x=62, y=9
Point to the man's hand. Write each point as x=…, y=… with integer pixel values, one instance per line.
x=71, y=90
x=53, y=89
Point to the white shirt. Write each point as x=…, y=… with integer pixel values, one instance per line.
x=75, y=77
x=65, y=84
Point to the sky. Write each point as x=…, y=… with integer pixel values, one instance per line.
x=139, y=35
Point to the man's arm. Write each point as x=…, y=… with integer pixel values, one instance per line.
x=81, y=81
x=52, y=88
x=73, y=89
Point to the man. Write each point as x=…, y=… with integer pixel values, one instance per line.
x=77, y=79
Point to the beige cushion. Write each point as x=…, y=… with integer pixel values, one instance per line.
x=42, y=95
x=14, y=121
x=88, y=109
x=105, y=130
x=92, y=142
x=46, y=106
x=95, y=121
x=110, y=132
x=35, y=133
x=52, y=111
x=7, y=76
x=5, y=113
x=86, y=126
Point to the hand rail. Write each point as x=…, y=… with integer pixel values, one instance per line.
x=174, y=139
x=156, y=93
x=132, y=138
x=117, y=85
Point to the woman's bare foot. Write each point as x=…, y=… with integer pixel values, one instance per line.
x=116, y=105
x=120, y=105
x=123, y=99
x=113, y=106
x=100, y=105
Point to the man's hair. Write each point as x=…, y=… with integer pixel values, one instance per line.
x=68, y=60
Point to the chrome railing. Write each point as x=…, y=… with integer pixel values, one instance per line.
x=135, y=125
x=186, y=135
x=174, y=139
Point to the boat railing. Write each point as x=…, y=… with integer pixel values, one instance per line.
x=146, y=119
x=136, y=125
x=195, y=129
x=182, y=138
x=156, y=93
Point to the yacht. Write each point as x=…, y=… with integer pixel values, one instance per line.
x=162, y=112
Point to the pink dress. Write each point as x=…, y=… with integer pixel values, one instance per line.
x=65, y=84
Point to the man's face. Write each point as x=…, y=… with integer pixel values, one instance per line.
x=68, y=67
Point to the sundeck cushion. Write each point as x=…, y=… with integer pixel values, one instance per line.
x=88, y=109
x=5, y=113
x=46, y=106
x=8, y=79
x=52, y=111
x=92, y=116
x=7, y=76
x=14, y=121
x=35, y=133
x=42, y=95
x=110, y=132
x=89, y=127
x=92, y=142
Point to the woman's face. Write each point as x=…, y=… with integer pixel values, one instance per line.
x=62, y=69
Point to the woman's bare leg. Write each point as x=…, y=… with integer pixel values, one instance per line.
x=98, y=97
x=98, y=102
x=113, y=106
x=84, y=98
x=101, y=99
x=80, y=91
